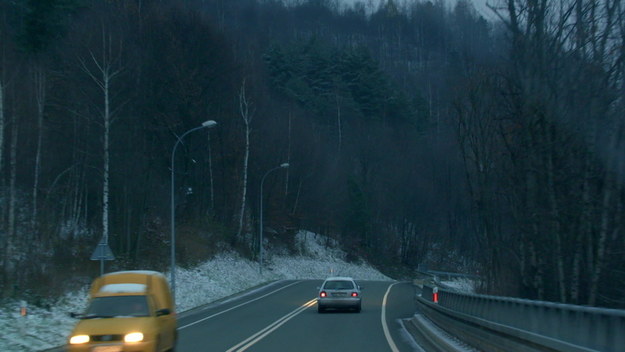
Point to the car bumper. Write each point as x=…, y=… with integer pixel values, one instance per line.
x=338, y=302
x=122, y=347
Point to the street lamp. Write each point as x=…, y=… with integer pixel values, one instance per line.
x=205, y=124
x=260, y=247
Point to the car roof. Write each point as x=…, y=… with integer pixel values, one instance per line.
x=336, y=278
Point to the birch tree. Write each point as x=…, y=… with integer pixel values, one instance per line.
x=246, y=115
x=107, y=67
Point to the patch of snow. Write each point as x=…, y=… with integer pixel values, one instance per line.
x=316, y=246
x=461, y=284
x=40, y=328
x=222, y=276
x=74, y=229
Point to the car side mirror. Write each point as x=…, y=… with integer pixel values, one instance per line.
x=361, y=288
x=164, y=311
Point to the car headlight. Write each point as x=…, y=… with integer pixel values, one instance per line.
x=133, y=337
x=78, y=339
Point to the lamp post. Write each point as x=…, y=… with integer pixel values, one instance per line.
x=205, y=124
x=260, y=247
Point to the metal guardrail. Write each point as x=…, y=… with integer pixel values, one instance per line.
x=560, y=327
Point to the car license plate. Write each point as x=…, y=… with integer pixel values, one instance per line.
x=107, y=349
x=338, y=294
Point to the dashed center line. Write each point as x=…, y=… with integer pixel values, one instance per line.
x=250, y=341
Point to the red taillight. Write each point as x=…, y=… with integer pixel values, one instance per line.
x=354, y=294
x=323, y=294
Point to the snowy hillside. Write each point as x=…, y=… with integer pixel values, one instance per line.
x=222, y=276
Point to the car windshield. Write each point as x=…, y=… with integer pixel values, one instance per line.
x=115, y=306
x=338, y=285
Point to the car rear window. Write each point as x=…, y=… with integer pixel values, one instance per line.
x=338, y=285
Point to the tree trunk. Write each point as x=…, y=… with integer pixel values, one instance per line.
x=5, y=241
x=105, y=176
x=11, y=235
x=297, y=195
x=288, y=159
x=104, y=74
x=40, y=97
x=339, y=124
x=210, y=174
x=584, y=229
x=603, y=236
x=244, y=183
x=538, y=280
x=555, y=212
x=2, y=123
x=247, y=119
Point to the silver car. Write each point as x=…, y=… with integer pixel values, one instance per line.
x=339, y=293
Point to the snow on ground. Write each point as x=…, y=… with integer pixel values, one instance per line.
x=222, y=276
x=461, y=284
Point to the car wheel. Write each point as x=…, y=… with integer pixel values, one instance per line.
x=358, y=307
x=320, y=309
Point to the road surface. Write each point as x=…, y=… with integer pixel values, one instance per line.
x=283, y=317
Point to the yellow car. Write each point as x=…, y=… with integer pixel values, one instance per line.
x=129, y=311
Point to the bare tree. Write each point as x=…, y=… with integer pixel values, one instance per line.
x=564, y=76
x=288, y=156
x=479, y=142
x=210, y=174
x=40, y=99
x=6, y=240
x=2, y=125
x=246, y=115
x=106, y=69
x=11, y=233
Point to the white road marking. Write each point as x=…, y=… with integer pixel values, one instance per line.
x=237, y=306
x=387, y=334
x=250, y=341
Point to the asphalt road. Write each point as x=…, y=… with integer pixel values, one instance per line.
x=283, y=317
